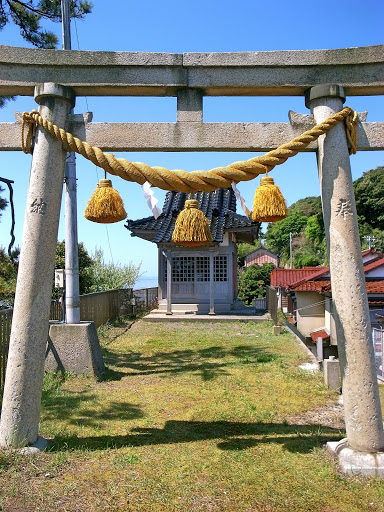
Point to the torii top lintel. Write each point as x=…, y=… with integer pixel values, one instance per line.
x=360, y=71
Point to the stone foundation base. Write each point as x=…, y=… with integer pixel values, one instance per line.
x=357, y=463
x=37, y=447
x=74, y=348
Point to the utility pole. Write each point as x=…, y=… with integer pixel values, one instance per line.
x=72, y=291
x=290, y=247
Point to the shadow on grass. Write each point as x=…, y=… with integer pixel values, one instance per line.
x=230, y=436
x=209, y=362
x=74, y=409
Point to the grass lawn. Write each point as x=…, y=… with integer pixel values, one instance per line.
x=192, y=417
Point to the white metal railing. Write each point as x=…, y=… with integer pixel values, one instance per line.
x=260, y=304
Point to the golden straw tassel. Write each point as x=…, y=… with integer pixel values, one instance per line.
x=192, y=226
x=269, y=204
x=105, y=205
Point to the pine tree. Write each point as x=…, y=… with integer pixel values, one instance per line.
x=3, y=202
x=28, y=15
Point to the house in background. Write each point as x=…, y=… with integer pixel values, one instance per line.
x=308, y=295
x=191, y=283
x=261, y=256
x=282, y=279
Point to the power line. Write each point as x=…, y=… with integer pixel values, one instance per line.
x=78, y=47
x=96, y=168
x=311, y=305
x=109, y=245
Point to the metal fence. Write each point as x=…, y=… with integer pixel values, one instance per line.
x=260, y=304
x=98, y=307
x=146, y=298
x=101, y=307
x=378, y=342
x=56, y=312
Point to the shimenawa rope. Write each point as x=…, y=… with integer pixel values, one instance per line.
x=206, y=181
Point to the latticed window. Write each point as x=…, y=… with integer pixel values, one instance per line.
x=220, y=268
x=196, y=269
x=183, y=269
x=202, y=268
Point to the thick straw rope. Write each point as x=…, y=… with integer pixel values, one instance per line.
x=206, y=181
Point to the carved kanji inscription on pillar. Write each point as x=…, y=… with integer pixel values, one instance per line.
x=38, y=206
x=344, y=208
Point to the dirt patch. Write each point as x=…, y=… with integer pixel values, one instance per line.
x=327, y=416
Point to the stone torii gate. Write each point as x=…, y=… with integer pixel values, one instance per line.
x=324, y=77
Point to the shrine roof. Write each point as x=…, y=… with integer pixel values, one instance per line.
x=218, y=206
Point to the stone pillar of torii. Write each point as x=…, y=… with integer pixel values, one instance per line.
x=363, y=418
x=30, y=323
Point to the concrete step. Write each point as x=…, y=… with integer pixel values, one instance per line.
x=204, y=318
x=175, y=311
x=181, y=307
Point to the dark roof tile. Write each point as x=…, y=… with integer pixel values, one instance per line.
x=218, y=206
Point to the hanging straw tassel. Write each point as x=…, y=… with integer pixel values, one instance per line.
x=269, y=203
x=192, y=226
x=105, y=205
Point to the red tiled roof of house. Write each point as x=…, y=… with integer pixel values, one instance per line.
x=286, y=277
x=309, y=278
x=375, y=286
x=372, y=250
x=374, y=264
x=320, y=285
x=319, y=272
x=324, y=285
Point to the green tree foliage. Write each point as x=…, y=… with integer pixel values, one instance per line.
x=4, y=99
x=28, y=15
x=369, y=194
x=314, y=229
x=111, y=276
x=3, y=202
x=305, y=253
x=85, y=262
x=305, y=218
x=370, y=208
x=253, y=282
x=309, y=205
x=8, y=275
x=277, y=236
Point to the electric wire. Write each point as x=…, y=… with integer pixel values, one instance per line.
x=96, y=168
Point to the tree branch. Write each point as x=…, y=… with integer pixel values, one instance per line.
x=29, y=8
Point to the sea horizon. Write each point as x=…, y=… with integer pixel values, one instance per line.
x=146, y=282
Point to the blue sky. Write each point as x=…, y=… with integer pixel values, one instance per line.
x=209, y=26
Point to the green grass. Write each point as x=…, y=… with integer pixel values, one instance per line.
x=201, y=417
